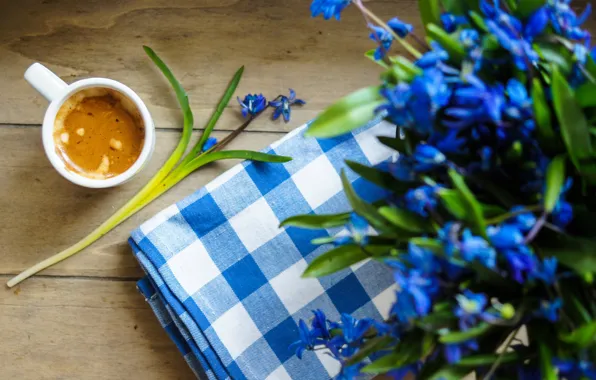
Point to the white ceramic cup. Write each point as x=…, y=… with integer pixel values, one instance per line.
x=56, y=91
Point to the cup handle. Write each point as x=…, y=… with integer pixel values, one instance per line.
x=44, y=81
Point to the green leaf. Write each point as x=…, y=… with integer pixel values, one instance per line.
x=394, y=143
x=335, y=260
x=576, y=253
x=186, y=112
x=555, y=178
x=462, y=336
x=556, y=55
x=581, y=309
x=474, y=214
x=476, y=361
x=449, y=373
x=361, y=207
x=370, y=347
x=542, y=113
x=582, y=336
x=348, y=113
x=323, y=240
x=202, y=160
x=317, y=221
x=223, y=102
x=379, y=177
x=384, y=364
x=586, y=95
x=478, y=21
x=430, y=12
x=448, y=42
x=434, y=245
x=409, y=69
x=405, y=219
x=371, y=55
x=454, y=203
x=574, y=127
x=527, y=7
x=546, y=362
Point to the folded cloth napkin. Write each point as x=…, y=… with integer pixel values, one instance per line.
x=225, y=280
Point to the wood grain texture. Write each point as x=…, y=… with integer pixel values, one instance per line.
x=204, y=42
x=44, y=213
x=83, y=329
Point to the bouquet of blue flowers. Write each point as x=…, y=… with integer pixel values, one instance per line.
x=490, y=198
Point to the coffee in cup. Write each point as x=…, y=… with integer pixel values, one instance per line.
x=98, y=133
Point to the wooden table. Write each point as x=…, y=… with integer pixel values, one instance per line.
x=83, y=319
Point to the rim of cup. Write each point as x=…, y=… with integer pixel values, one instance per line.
x=49, y=143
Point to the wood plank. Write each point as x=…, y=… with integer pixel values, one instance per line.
x=43, y=213
x=83, y=329
x=204, y=42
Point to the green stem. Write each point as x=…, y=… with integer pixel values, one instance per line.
x=411, y=49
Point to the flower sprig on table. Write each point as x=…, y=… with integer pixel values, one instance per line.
x=487, y=223
x=179, y=166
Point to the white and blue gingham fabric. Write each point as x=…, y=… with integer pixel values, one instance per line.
x=224, y=279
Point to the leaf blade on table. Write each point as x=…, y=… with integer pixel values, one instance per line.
x=223, y=102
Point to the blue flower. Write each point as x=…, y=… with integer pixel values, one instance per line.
x=469, y=38
x=550, y=310
x=358, y=227
x=562, y=214
x=427, y=157
x=455, y=351
x=421, y=199
x=328, y=8
x=210, y=143
x=448, y=142
x=575, y=370
x=433, y=57
x=537, y=23
x=451, y=22
x=563, y=211
x=422, y=259
x=282, y=106
x=403, y=169
x=505, y=236
x=525, y=221
x=353, y=331
x=398, y=98
x=547, y=271
x=470, y=309
x=319, y=324
x=383, y=38
x=400, y=28
x=252, y=104
x=430, y=93
x=414, y=297
x=448, y=235
x=308, y=340
x=521, y=262
x=476, y=248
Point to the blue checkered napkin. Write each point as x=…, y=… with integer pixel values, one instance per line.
x=224, y=279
